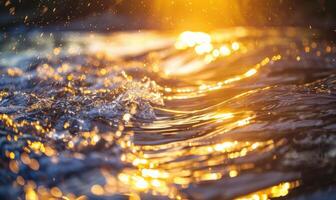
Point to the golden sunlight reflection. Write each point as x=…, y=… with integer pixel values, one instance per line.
x=120, y=45
x=209, y=48
x=206, y=45
x=223, y=116
x=192, y=39
x=155, y=174
x=187, y=92
x=276, y=191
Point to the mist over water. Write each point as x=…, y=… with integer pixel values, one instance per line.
x=236, y=113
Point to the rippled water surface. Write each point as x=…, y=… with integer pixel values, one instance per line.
x=236, y=113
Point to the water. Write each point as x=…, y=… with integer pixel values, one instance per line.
x=236, y=113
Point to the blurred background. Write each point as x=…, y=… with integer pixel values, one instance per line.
x=106, y=15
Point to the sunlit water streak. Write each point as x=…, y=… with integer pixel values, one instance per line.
x=238, y=113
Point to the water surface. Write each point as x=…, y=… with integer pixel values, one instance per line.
x=236, y=113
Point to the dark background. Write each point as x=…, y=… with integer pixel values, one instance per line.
x=106, y=15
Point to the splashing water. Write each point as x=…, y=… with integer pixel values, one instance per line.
x=238, y=113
